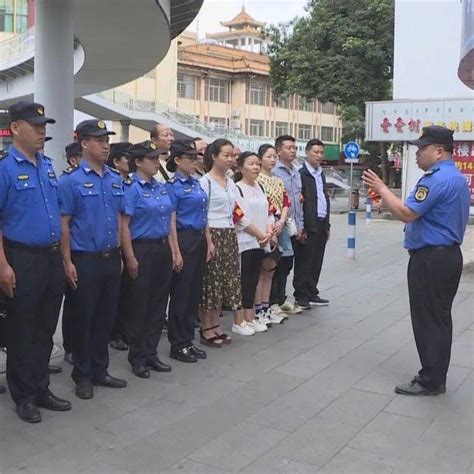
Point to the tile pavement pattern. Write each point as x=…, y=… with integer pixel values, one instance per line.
x=313, y=395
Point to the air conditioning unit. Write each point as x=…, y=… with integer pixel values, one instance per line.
x=236, y=114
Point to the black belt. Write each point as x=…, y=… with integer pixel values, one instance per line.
x=433, y=248
x=104, y=255
x=160, y=241
x=50, y=249
x=192, y=231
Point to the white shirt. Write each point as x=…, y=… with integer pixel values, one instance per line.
x=222, y=202
x=322, y=203
x=254, y=205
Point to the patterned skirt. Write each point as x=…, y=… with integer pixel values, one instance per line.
x=221, y=284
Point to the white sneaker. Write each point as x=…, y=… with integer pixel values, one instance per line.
x=291, y=308
x=257, y=326
x=275, y=309
x=243, y=329
x=274, y=318
x=263, y=318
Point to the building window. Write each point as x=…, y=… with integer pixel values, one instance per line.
x=13, y=16
x=257, y=93
x=328, y=108
x=217, y=90
x=304, y=132
x=282, y=102
x=281, y=128
x=188, y=86
x=327, y=134
x=305, y=104
x=217, y=123
x=257, y=128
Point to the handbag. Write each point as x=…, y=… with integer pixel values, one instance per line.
x=291, y=226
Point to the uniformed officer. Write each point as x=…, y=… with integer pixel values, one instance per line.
x=146, y=229
x=73, y=157
x=193, y=238
x=31, y=273
x=91, y=199
x=436, y=213
x=118, y=159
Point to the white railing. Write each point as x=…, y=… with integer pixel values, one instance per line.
x=17, y=47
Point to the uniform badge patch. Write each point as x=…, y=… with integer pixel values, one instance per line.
x=188, y=190
x=88, y=185
x=22, y=177
x=421, y=193
x=101, y=124
x=146, y=195
x=40, y=110
x=116, y=186
x=51, y=174
x=164, y=192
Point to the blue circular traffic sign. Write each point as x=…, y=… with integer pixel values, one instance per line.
x=351, y=150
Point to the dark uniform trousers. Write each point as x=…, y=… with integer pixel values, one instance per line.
x=120, y=330
x=186, y=288
x=279, y=280
x=67, y=319
x=146, y=298
x=309, y=257
x=433, y=279
x=94, y=305
x=32, y=316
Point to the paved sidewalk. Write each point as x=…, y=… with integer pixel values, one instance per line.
x=313, y=395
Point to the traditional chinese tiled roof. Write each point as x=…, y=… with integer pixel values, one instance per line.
x=247, y=31
x=211, y=56
x=242, y=19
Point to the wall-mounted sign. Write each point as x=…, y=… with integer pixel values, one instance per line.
x=404, y=120
x=5, y=132
x=464, y=158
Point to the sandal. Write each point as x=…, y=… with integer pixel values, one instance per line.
x=225, y=338
x=211, y=341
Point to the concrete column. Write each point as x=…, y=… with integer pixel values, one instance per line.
x=125, y=130
x=54, y=73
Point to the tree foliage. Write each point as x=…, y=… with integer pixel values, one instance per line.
x=341, y=51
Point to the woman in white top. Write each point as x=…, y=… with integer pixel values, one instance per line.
x=253, y=238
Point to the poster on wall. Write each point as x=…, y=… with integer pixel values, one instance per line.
x=464, y=158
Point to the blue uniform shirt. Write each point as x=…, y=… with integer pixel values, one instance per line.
x=29, y=207
x=441, y=198
x=150, y=208
x=94, y=203
x=190, y=202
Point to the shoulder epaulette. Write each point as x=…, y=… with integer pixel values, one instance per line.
x=70, y=169
x=3, y=154
x=172, y=180
x=128, y=181
x=431, y=172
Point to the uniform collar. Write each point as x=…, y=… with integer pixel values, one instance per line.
x=19, y=156
x=440, y=164
x=87, y=167
x=142, y=182
x=182, y=178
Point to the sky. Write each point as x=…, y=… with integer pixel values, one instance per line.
x=269, y=11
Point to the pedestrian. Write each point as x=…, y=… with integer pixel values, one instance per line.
x=436, y=214
x=195, y=247
x=162, y=136
x=91, y=198
x=31, y=270
x=279, y=203
x=148, y=221
x=118, y=159
x=221, y=283
x=288, y=171
x=73, y=157
x=201, y=146
x=254, y=233
x=310, y=248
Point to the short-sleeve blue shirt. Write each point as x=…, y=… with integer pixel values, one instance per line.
x=94, y=203
x=441, y=199
x=29, y=206
x=150, y=208
x=190, y=202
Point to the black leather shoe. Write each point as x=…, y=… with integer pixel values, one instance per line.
x=85, y=390
x=119, y=344
x=29, y=412
x=110, y=382
x=53, y=403
x=317, y=301
x=54, y=369
x=198, y=353
x=303, y=304
x=415, y=389
x=2, y=389
x=158, y=366
x=183, y=354
x=141, y=371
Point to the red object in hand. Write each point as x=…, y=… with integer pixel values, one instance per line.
x=238, y=214
x=374, y=196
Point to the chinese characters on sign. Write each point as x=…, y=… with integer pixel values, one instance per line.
x=414, y=125
x=464, y=158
